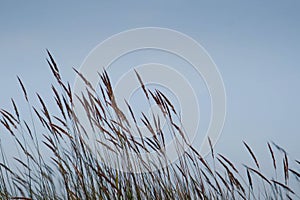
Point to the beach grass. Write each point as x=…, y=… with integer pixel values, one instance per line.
x=72, y=170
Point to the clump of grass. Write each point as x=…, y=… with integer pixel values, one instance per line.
x=73, y=171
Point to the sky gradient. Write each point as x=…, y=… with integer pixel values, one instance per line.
x=255, y=45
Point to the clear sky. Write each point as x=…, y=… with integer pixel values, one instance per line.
x=255, y=45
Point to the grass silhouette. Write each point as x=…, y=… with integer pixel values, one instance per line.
x=75, y=172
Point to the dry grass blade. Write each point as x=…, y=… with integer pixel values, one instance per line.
x=58, y=101
x=9, y=117
x=42, y=120
x=232, y=178
x=22, y=163
x=54, y=71
x=168, y=101
x=106, y=146
x=279, y=148
x=28, y=129
x=286, y=168
x=147, y=123
x=249, y=178
x=229, y=163
x=20, y=198
x=158, y=102
x=45, y=110
x=6, y=125
x=6, y=168
x=272, y=154
x=283, y=186
x=23, y=88
x=180, y=132
x=295, y=173
x=259, y=174
x=52, y=61
x=86, y=82
x=211, y=148
x=252, y=154
x=142, y=84
x=15, y=109
x=223, y=180
x=205, y=164
x=131, y=112
x=59, y=130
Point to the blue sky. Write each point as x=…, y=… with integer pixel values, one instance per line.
x=255, y=45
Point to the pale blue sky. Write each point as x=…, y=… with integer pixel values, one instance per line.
x=255, y=45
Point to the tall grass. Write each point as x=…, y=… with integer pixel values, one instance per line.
x=73, y=171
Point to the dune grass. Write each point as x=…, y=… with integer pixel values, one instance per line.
x=73, y=171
